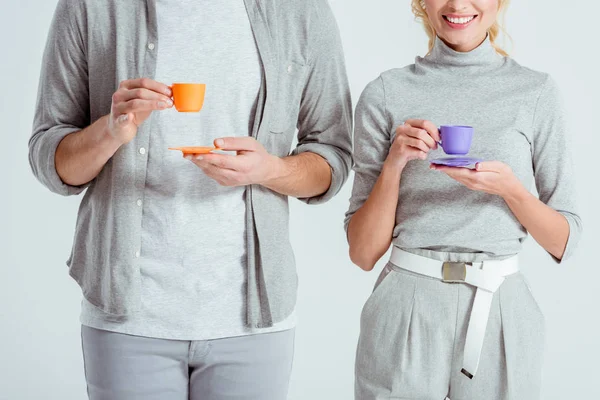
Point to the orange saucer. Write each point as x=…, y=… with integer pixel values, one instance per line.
x=195, y=149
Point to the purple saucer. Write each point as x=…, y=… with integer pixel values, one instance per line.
x=457, y=161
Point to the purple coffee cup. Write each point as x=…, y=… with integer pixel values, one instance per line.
x=456, y=139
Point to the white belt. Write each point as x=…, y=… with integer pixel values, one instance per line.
x=486, y=276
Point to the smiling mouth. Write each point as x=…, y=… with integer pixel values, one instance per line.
x=456, y=20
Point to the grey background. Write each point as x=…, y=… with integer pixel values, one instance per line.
x=40, y=353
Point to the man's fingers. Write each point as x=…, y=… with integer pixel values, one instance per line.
x=208, y=169
x=225, y=177
x=137, y=105
x=147, y=83
x=224, y=161
x=124, y=95
x=237, y=144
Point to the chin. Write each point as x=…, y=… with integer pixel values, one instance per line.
x=460, y=40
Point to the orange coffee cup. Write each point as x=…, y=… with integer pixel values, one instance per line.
x=188, y=97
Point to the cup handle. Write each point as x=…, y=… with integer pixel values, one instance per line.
x=440, y=131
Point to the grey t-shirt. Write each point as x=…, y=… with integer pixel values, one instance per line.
x=518, y=120
x=193, y=253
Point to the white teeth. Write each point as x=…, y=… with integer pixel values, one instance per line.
x=462, y=20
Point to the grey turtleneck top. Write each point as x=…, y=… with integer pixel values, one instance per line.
x=518, y=120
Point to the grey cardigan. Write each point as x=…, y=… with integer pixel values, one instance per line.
x=93, y=45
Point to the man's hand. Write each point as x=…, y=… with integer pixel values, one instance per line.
x=252, y=165
x=133, y=103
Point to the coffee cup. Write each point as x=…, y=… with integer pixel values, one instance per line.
x=456, y=139
x=188, y=97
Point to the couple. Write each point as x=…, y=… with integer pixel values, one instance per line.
x=186, y=268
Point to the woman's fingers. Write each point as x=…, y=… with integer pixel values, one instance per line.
x=421, y=134
x=416, y=143
x=428, y=126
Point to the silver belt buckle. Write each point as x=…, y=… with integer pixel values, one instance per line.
x=454, y=272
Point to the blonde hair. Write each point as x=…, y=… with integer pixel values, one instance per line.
x=418, y=9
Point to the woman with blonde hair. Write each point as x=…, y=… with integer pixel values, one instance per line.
x=451, y=315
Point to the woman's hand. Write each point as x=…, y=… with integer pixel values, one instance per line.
x=493, y=177
x=413, y=141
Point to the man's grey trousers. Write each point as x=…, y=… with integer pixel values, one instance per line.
x=124, y=367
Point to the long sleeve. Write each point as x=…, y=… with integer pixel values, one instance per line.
x=372, y=139
x=553, y=163
x=325, y=119
x=63, y=103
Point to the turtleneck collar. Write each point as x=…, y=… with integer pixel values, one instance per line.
x=443, y=56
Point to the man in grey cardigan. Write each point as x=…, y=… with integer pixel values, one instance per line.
x=185, y=265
